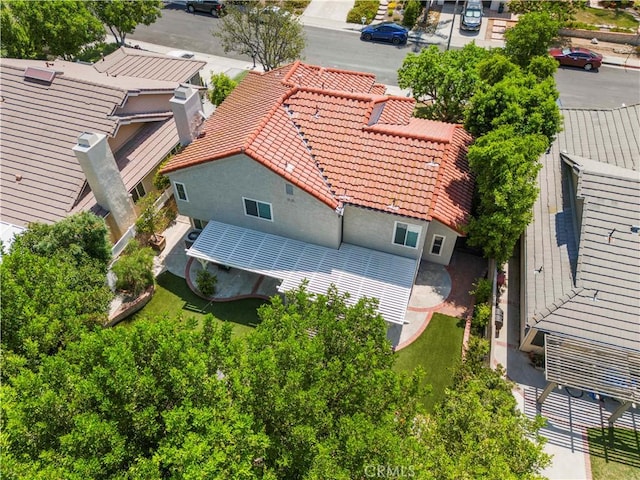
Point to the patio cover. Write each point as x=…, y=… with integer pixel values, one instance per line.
x=359, y=271
x=594, y=367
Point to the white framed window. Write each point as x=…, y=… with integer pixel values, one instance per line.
x=199, y=224
x=406, y=234
x=138, y=192
x=181, y=191
x=255, y=208
x=288, y=188
x=436, y=244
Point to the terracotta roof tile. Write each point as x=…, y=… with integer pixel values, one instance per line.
x=321, y=140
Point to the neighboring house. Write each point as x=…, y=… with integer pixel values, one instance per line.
x=120, y=107
x=308, y=172
x=581, y=254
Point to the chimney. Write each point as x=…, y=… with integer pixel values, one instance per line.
x=99, y=166
x=186, y=107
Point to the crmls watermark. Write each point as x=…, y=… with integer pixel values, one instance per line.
x=388, y=471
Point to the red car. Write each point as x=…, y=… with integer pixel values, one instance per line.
x=577, y=57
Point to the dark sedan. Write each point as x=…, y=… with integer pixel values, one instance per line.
x=577, y=57
x=387, y=31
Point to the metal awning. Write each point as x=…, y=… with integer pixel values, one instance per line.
x=359, y=271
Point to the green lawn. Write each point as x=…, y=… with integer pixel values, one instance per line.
x=607, y=16
x=438, y=351
x=174, y=298
x=614, y=453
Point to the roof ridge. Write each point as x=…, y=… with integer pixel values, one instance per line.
x=556, y=304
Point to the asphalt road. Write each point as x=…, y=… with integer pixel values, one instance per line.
x=607, y=88
x=331, y=48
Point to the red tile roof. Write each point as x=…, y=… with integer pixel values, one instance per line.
x=334, y=134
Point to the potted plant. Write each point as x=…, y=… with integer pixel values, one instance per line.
x=149, y=220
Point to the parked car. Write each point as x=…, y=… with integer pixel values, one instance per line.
x=214, y=7
x=471, y=18
x=387, y=31
x=577, y=57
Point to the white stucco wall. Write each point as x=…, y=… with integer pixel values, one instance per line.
x=450, y=237
x=373, y=229
x=215, y=190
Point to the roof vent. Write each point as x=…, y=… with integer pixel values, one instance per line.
x=39, y=74
x=635, y=229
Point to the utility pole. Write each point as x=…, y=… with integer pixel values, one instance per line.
x=453, y=21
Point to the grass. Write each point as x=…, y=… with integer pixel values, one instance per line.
x=437, y=351
x=606, y=16
x=614, y=453
x=174, y=298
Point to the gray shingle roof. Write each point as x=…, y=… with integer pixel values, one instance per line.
x=131, y=62
x=40, y=178
x=589, y=286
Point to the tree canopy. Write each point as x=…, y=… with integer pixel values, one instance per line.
x=54, y=286
x=530, y=37
x=310, y=394
x=505, y=164
x=145, y=402
x=123, y=16
x=52, y=28
x=520, y=100
x=271, y=35
x=316, y=376
x=444, y=81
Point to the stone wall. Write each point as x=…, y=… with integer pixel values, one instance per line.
x=603, y=36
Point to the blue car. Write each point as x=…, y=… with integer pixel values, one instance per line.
x=387, y=31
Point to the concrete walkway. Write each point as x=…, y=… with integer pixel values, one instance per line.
x=567, y=417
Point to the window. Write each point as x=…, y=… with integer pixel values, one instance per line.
x=288, y=188
x=436, y=245
x=181, y=191
x=406, y=234
x=199, y=224
x=258, y=209
x=138, y=192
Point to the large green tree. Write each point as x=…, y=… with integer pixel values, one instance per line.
x=145, y=402
x=123, y=16
x=530, y=37
x=272, y=36
x=479, y=431
x=316, y=376
x=505, y=164
x=444, y=81
x=54, y=286
x=520, y=100
x=57, y=28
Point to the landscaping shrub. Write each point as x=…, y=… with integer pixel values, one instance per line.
x=482, y=290
x=134, y=269
x=206, y=282
x=296, y=6
x=411, y=13
x=160, y=181
x=363, y=8
x=481, y=316
x=221, y=86
x=96, y=51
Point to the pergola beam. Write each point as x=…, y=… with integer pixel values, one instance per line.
x=545, y=393
x=618, y=412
